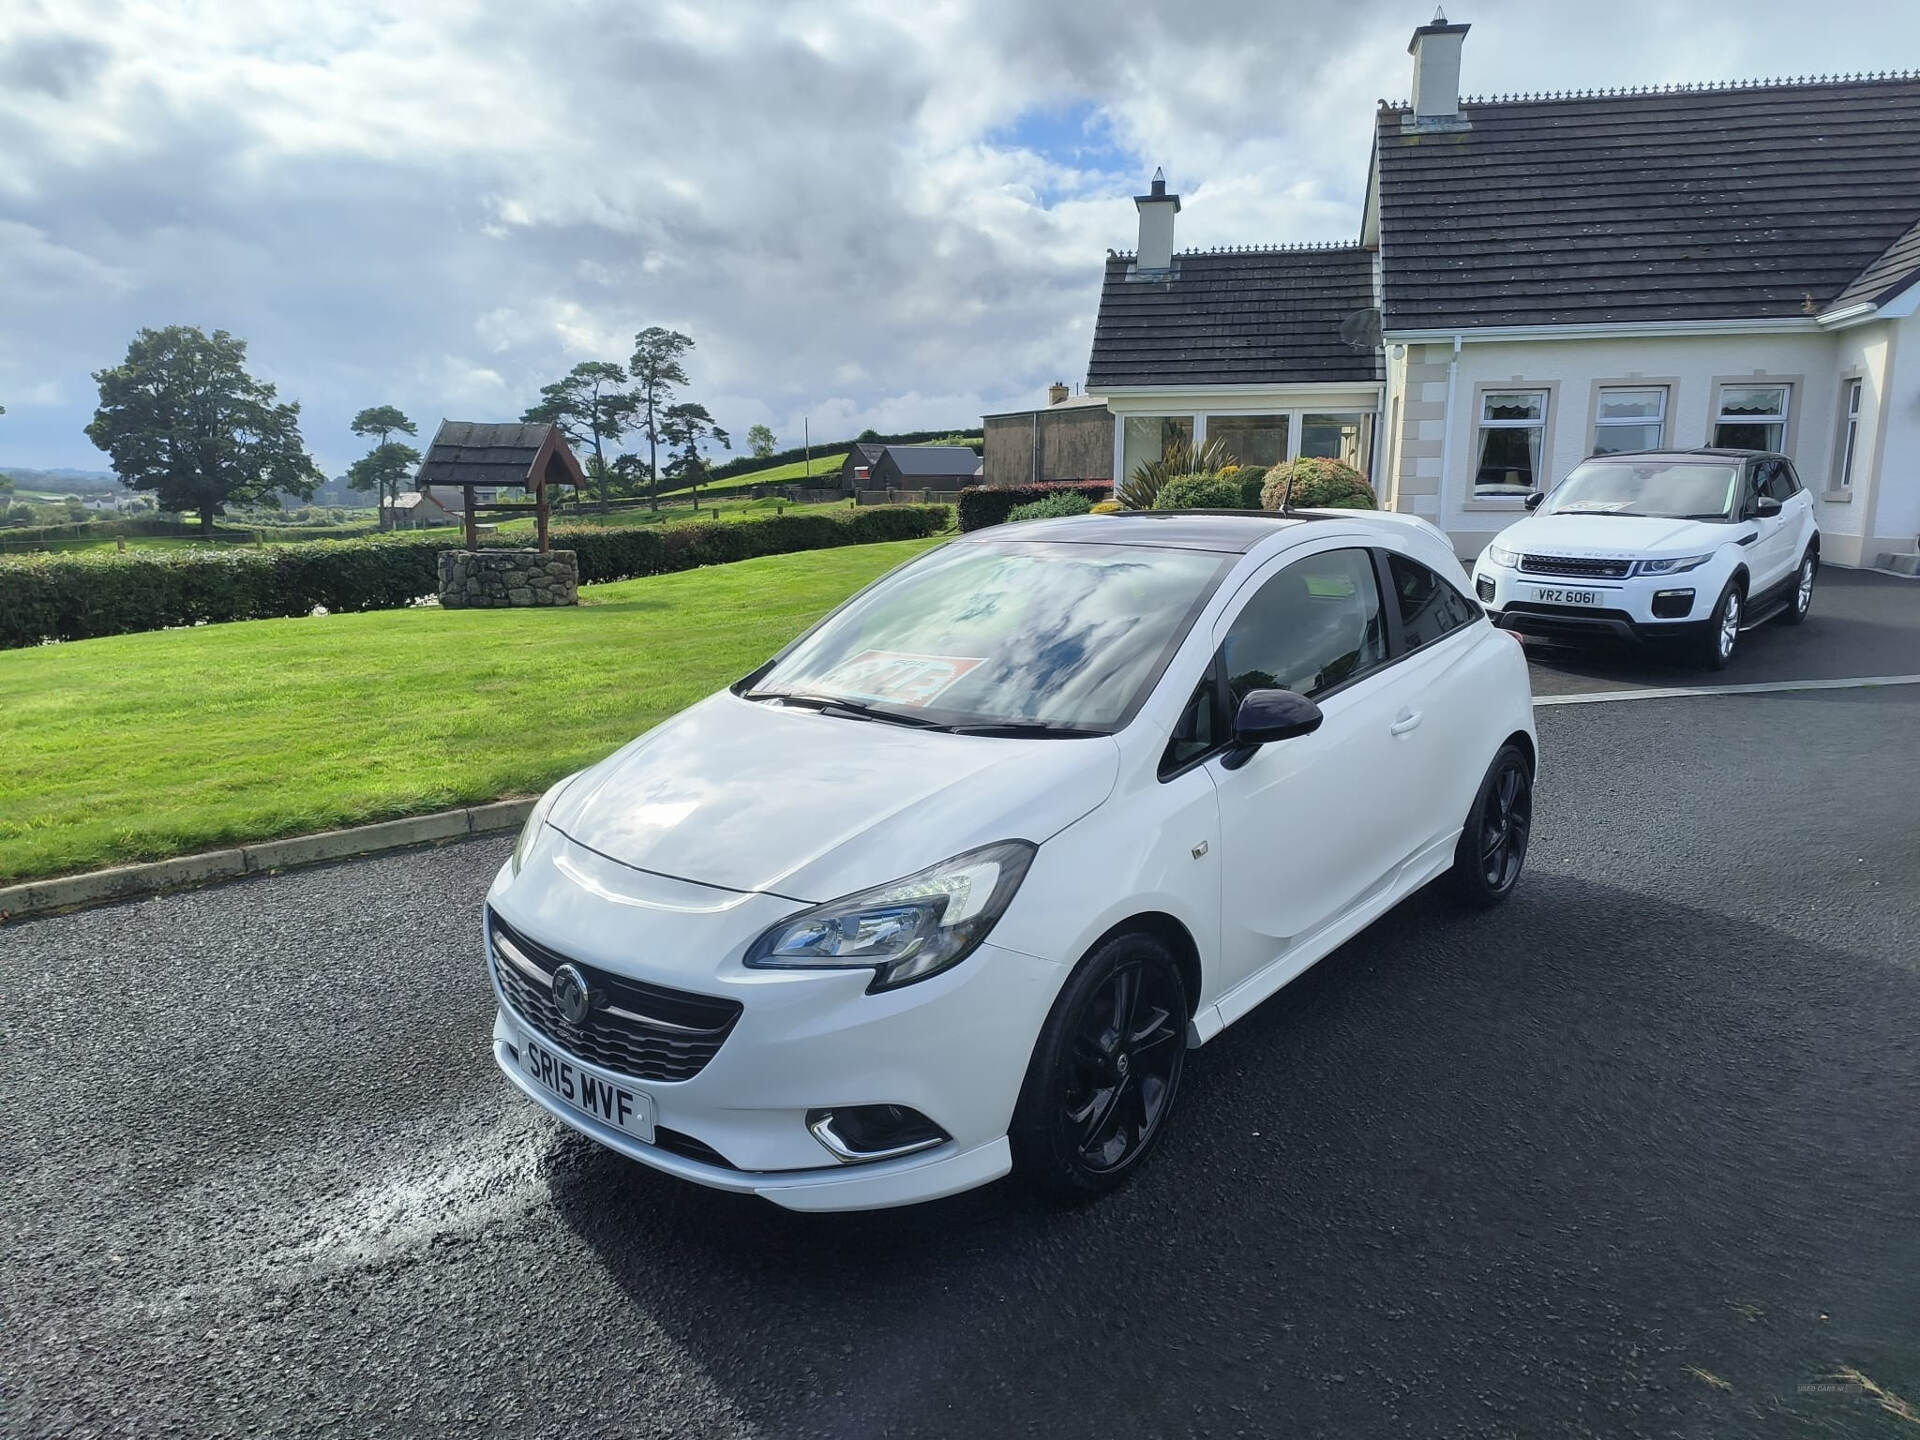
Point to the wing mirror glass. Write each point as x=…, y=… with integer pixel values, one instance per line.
x=1533, y=501
x=1266, y=716
x=1766, y=505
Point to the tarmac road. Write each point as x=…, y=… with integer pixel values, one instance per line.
x=1635, y=1155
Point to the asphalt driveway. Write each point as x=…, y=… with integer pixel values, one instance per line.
x=1861, y=624
x=1636, y=1155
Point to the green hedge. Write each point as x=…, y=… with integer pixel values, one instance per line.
x=1201, y=492
x=75, y=597
x=984, y=505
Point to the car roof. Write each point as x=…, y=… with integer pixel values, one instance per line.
x=1701, y=452
x=1232, y=532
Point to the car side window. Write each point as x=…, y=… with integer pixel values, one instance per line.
x=1315, y=625
x=1201, y=729
x=1429, y=606
x=1776, y=480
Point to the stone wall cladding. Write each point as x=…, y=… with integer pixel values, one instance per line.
x=498, y=579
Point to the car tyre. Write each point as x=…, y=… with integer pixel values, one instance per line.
x=1722, y=635
x=1105, y=1072
x=1802, y=598
x=1492, y=849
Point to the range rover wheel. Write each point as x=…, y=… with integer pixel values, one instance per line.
x=1105, y=1072
x=1723, y=630
x=1802, y=600
x=1493, y=843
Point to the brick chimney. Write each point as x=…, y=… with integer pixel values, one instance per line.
x=1057, y=392
x=1157, y=209
x=1436, y=70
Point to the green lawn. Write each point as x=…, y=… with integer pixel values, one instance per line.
x=137, y=747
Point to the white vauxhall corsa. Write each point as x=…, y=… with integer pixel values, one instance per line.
x=951, y=885
x=1692, y=546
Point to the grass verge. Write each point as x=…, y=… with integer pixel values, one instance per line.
x=137, y=747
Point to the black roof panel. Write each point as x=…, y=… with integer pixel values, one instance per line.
x=1229, y=531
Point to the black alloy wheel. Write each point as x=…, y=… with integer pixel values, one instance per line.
x=1106, y=1070
x=1802, y=599
x=1492, y=849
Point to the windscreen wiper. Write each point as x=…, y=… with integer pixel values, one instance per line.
x=1022, y=730
x=845, y=709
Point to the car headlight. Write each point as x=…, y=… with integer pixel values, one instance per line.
x=907, y=930
x=1671, y=566
x=530, y=831
x=1499, y=555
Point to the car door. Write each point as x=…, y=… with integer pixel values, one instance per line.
x=1772, y=555
x=1309, y=827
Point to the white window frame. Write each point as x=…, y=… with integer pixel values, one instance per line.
x=1783, y=417
x=1602, y=422
x=1849, y=432
x=1481, y=423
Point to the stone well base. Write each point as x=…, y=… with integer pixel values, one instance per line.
x=497, y=579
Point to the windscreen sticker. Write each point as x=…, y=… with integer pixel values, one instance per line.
x=896, y=677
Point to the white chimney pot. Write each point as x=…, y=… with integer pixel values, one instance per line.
x=1157, y=209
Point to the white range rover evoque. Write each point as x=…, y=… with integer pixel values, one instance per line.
x=1692, y=546
x=953, y=883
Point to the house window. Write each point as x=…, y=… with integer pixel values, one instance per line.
x=1752, y=417
x=1347, y=438
x=1630, y=419
x=1253, y=439
x=1513, y=429
x=1850, y=435
x=1153, y=437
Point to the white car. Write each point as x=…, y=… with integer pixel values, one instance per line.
x=953, y=883
x=1692, y=546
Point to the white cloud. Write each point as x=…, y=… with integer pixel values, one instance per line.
x=865, y=213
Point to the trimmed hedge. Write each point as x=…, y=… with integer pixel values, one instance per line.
x=1054, y=507
x=984, y=505
x=76, y=597
x=1318, y=484
x=1201, y=492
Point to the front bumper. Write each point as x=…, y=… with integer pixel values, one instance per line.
x=1638, y=608
x=955, y=1047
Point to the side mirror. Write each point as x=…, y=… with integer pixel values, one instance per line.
x=1266, y=716
x=1765, y=506
x=1533, y=501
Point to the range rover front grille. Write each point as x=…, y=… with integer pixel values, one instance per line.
x=1579, y=565
x=646, y=1031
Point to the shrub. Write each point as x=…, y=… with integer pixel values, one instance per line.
x=1139, y=490
x=1252, y=480
x=1053, y=507
x=984, y=505
x=76, y=596
x=1318, y=484
x=1107, y=507
x=1199, y=492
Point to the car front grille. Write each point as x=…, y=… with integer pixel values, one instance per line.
x=1575, y=565
x=646, y=1031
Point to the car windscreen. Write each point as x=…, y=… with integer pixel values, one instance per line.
x=1672, y=489
x=1046, y=638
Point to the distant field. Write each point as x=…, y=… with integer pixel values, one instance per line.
x=135, y=747
x=823, y=465
x=728, y=510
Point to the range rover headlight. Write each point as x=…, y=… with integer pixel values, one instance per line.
x=1498, y=554
x=907, y=930
x=530, y=831
x=1672, y=565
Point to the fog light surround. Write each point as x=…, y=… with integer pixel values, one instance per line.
x=859, y=1134
x=1672, y=604
x=1484, y=587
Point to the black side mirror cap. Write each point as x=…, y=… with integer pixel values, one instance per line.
x=1532, y=502
x=1266, y=716
x=1766, y=505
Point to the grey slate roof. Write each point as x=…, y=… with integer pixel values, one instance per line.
x=1895, y=269
x=1727, y=202
x=934, y=459
x=466, y=453
x=1234, y=318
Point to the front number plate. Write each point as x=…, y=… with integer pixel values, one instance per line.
x=1561, y=595
x=626, y=1110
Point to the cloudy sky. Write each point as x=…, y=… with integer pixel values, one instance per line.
x=869, y=214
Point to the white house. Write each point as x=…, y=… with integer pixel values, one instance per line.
x=1538, y=278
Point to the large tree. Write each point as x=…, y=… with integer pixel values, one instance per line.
x=688, y=426
x=591, y=408
x=657, y=375
x=182, y=417
x=383, y=469
x=760, y=441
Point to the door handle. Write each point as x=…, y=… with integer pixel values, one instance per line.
x=1409, y=721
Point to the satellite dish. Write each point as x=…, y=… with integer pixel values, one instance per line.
x=1361, y=329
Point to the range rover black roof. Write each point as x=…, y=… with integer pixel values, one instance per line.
x=1229, y=531
x=1710, y=452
